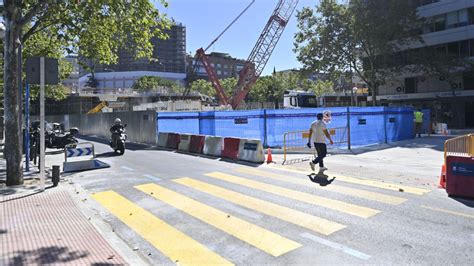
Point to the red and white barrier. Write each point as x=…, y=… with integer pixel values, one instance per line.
x=173, y=141
x=231, y=148
x=213, y=145
x=251, y=150
x=196, y=144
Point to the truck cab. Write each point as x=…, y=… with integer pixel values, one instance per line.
x=293, y=99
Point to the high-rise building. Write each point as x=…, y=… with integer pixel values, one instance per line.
x=168, y=61
x=225, y=66
x=449, y=32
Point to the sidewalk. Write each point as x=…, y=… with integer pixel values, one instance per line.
x=48, y=228
x=415, y=161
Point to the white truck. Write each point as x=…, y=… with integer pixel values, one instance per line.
x=293, y=99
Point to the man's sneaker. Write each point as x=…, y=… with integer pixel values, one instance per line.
x=323, y=168
x=312, y=165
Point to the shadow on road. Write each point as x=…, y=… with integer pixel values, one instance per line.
x=128, y=145
x=321, y=178
x=465, y=201
x=107, y=154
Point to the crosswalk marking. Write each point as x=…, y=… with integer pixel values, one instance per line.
x=311, y=222
x=337, y=205
x=261, y=238
x=366, y=182
x=174, y=244
x=448, y=211
x=364, y=194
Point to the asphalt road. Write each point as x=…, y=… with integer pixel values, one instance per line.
x=179, y=208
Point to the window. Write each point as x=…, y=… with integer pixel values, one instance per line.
x=410, y=85
x=457, y=19
x=470, y=14
x=293, y=101
x=439, y=23
x=453, y=49
x=464, y=48
x=471, y=44
x=226, y=73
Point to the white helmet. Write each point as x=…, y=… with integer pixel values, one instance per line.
x=117, y=121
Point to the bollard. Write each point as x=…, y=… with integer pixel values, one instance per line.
x=55, y=177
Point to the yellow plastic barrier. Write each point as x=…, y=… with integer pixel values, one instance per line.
x=462, y=146
x=297, y=140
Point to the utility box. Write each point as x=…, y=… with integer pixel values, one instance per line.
x=460, y=176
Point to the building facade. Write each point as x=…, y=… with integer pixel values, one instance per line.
x=224, y=65
x=169, y=62
x=449, y=32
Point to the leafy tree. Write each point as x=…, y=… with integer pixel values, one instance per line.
x=320, y=87
x=334, y=38
x=96, y=29
x=45, y=43
x=152, y=83
x=203, y=86
x=228, y=85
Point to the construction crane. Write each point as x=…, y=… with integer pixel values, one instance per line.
x=98, y=108
x=257, y=59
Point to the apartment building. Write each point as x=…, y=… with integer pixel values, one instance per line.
x=225, y=66
x=169, y=63
x=449, y=31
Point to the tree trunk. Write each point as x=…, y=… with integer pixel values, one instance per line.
x=12, y=111
x=374, y=95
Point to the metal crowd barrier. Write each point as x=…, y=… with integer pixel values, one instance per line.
x=297, y=140
x=462, y=146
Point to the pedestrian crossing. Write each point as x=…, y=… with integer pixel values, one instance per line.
x=233, y=188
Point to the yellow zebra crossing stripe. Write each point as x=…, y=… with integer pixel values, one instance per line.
x=302, y=219
x=256, y=236
x=359, y=193
x=366, y=182
x=337, y=205
x=174, y=244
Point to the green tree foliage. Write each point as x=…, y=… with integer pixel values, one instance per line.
x=320, y=87
x=271, y=88
x=152, y=83
x=94, y=29
x=47, y=44
x=228, y=85
x=334, y=38
x=203, y=86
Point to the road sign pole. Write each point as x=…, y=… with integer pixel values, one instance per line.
x=27, y=128
x=42, y=126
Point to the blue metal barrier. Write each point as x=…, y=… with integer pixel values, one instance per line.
x=367, y=125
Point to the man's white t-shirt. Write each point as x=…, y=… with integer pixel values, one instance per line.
x=318, y=128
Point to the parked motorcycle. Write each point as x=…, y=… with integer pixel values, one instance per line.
x=117, y=142
x=57, y=139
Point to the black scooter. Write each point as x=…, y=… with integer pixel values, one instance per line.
x=117, y=142
x=58, y=139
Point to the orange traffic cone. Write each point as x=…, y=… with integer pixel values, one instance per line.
x=442, y=178
x=269, y=156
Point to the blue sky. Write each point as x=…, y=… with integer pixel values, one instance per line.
x=205, y=19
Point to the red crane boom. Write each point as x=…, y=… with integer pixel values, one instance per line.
x=257, y=59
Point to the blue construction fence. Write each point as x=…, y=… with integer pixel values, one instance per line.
x=367, y=125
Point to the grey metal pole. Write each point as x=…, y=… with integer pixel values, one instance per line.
x=42, y=127
x=348, y=128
